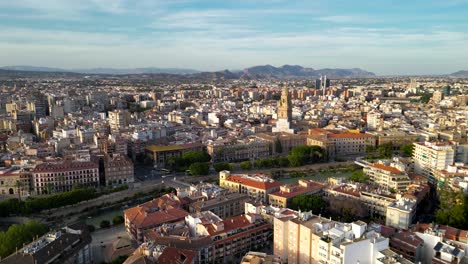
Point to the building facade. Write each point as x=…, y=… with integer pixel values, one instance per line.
x=63, y=176
x=256, y=186
x=432, y=156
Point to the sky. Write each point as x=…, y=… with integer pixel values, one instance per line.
x=382, y=36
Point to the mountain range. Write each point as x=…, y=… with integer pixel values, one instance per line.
x=463, y=74
x=111, y=71
x=256, y=72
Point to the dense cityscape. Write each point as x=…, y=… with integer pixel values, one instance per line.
x=151, y=169
x=233, y=132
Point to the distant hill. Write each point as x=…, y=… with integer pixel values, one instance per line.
x=256, y=72
x=111, y=71
x=463, y=74
x=32, y=69
x=149, y=70
x=296, y=71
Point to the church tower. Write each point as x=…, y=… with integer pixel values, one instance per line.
x=284, y=112
x=284, y=105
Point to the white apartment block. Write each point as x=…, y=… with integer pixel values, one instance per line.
x=306, y=238
x=432, y=156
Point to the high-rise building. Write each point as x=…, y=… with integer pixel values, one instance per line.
x=374, y=120
x=446, y=90
x=437, y=96
x=432, y=156
x=301, y=237
x=284, y=113
x=119, y=119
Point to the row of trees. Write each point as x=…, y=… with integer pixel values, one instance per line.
x=453, y=210
x=17, y=235
x=298, y=156
x=191, y=160
x=35, y=205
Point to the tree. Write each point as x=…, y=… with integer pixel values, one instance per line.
x=385, y=150
x=220, y=166
x=199, y=168
x=358, y=176
x=17, y=235
x=301, y=155
x=283, y=162
x=191, y=157
x=453, y=209
x=117, y=220
x=246, y=165
x=407, y=150
x=307, y=202
x=104, y=224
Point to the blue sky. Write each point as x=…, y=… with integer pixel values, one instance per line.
x=386, y=37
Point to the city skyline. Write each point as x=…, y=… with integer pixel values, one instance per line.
x=399, y=38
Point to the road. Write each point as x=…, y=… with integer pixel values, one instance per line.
x=103, y=238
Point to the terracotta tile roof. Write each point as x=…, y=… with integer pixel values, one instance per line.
x=232, y=223
x=65, y=166
x=347, y=190
x=156, y=212
x=249, y=181
x=349, y=135
x=409, y=238
x=387, y=168
x=172, y=255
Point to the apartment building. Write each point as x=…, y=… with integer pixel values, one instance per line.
x=119, y=119
x=223, y=205
x=148, y=252
x=390, y=175
x=302, y=237
x=52, y=177
x=71, y=244
x=256, y=186
x=407, y=244
x=283, y=197
x=165, y=209
x=237, y=150
x=374, y=199
x=213, y=239
x=337, y=143
x=253, y=257
x=401, y=213
x=118, y=170
x=432, y=156
x=397, y=138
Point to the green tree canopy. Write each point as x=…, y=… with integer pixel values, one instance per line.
x=453, y=209
x=220, y=166
x=407, y=150
x=199, y=168
x=358, y=176
x=246, y=165
x=17, y=235
x=302, y=155
x=195, y=156
x=307, y=202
